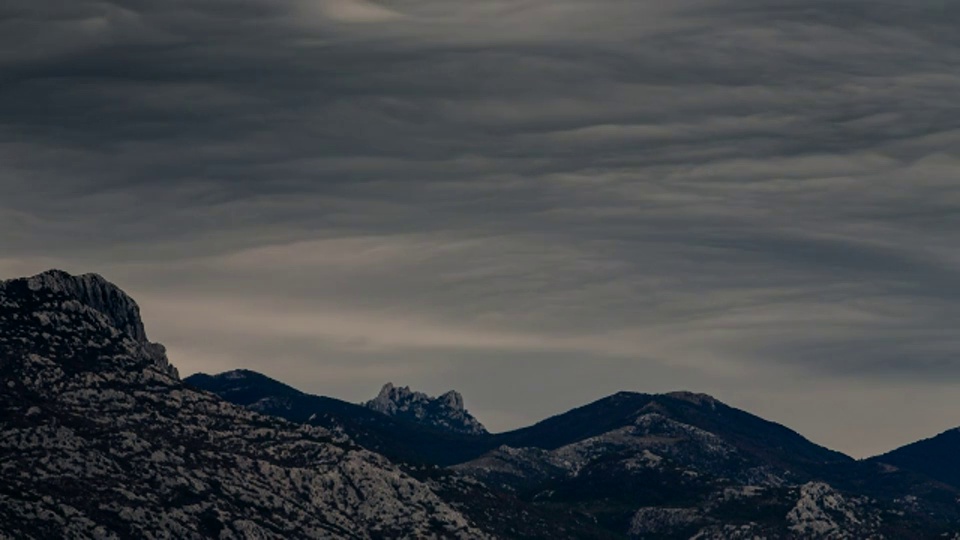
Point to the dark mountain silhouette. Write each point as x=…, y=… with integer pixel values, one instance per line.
x=668, y=465
x=394, y=437
x=937, y=457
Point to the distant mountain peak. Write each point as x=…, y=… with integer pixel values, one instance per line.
x=445, y=412
x=238, y=374
x=695, y=398
x=55, y=298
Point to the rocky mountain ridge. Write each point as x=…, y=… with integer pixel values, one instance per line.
x=677, y=465
x=100, y=439
x=92, y=296
x=396, y=437
x=444, y=412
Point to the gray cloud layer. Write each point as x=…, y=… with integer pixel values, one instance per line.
x=537, y=202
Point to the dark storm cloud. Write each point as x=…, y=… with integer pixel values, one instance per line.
x=715, y=194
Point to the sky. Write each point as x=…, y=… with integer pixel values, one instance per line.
x=535, y=202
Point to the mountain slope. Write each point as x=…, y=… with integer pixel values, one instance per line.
x=684, y=465
x=416, y=445
x=396, y=438
x=763, y=439
x=100, y=439
x=677, y=464
x=646, y=466
x=401, y=437
x=936, y=457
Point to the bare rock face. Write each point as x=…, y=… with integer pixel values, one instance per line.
x=95, y=292
x=63, y=296
x=100, y=439
x=445, y=412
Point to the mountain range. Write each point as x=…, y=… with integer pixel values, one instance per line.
x=674, y=465
x=100, y=438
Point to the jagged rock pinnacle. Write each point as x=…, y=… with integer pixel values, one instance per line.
x=445, y=412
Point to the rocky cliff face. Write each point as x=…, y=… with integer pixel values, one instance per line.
x=100, y=439
x=95, y=292
x=58, y=299
x=444, y=412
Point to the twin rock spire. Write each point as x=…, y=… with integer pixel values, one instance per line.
x=445, y=412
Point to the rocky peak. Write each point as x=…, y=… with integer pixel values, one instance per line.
x=93, y=291
x=453, y=400
x=79, y=313
x=445, y=412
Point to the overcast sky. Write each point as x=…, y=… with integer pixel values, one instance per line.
x=536, y=202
